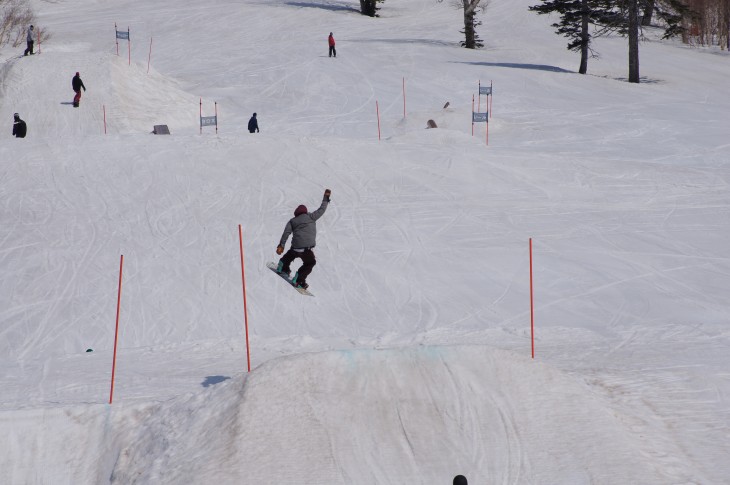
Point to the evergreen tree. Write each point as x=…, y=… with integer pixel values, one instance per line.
x=369, y=7
x=575, y=17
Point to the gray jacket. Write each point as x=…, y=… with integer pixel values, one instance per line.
x=304, y=228
x=29, y=37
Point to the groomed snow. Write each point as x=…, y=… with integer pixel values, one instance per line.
x=412, y=362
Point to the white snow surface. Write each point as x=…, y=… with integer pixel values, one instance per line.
x=412, y=363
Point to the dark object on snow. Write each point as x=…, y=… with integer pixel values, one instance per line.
x=446, y=105
x=460, y=480
x=19, y=127
x=89, y=350
x=431, y=124
x=161, y=130
x=253, y=124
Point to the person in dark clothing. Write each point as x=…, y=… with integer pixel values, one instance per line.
x=331, y=42
x=29, y=42
x=19, y=127
x=303, y=226
x=253, y=124
x=460, y=480
x=77, y=84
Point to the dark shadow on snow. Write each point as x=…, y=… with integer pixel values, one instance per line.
x=212, y=380
x=324, y=6
x=514, y=65
x=67, y=102
x=405, y=41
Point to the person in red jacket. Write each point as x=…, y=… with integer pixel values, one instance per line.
x=331, y=42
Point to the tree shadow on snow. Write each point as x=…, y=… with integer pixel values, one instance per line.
x=324, y=6
x=514, y=65
x=212, y=380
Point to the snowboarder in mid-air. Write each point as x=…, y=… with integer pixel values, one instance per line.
x=303, y=226
x=77, y=84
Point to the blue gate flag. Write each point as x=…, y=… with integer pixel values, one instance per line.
x=479, y=117
x=208, y=120
x=122, y=35
x=485, y=89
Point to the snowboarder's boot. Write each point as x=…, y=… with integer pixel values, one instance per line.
x=280, y=270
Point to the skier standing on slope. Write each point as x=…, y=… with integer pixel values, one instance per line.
x=77, y=84
x=29, y=42
x=303, y=226
x=331, y=42
x=19, y=127
x=253, y=124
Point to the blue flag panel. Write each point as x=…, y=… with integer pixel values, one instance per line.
x=479, y=117
x=208, y=120
x=485, y=89
x=122, y=35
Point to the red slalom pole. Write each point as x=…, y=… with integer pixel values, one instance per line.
x=39, y=40
x=245, y=309
x=201, y=116
x=216, y=117
x=377, y=112
x=472, y=115
x=103, y=107
x=532, y=306
x=116, y=331
x=116, y=38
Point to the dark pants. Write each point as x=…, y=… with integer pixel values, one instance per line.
x=308, y=263
x=29, y=48
x=333, y=51
x=77, y=98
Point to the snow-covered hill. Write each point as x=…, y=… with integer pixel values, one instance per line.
x=412, y=362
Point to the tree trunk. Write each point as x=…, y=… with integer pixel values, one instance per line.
x=367, y=7
x=584, y=38
x=469, y=29
x=648, y=12
x=633, y=41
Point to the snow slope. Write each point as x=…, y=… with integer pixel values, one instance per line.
x=412, y=363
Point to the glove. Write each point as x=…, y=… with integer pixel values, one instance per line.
x=327, y=195
x=279, y=250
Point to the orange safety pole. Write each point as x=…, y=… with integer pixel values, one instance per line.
x=532, y=306
x=245, y=309
x=116, y=331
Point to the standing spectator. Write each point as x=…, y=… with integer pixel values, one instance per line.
x=331, y=42
x=29, y=42
x=253, y=124
x=77, y=84
x=19, y=127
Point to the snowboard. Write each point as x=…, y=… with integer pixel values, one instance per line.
x=273, y=267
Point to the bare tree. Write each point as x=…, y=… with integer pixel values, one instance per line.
x=369, y=7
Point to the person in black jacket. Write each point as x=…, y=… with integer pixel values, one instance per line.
x=253, y=124
x=303, y=226
x=77, y=84
x=19, y=127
